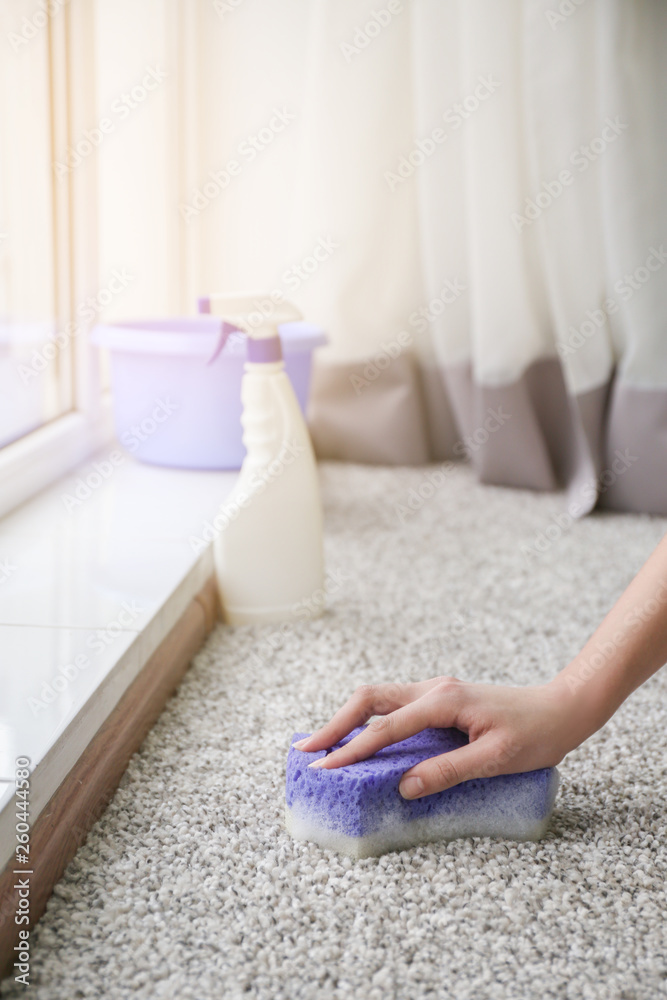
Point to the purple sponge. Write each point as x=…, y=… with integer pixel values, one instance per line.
x=358, y=810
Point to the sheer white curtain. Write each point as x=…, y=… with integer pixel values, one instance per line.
x=561, y=236
x=469, y=196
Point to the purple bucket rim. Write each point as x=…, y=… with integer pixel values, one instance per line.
x=197, y=336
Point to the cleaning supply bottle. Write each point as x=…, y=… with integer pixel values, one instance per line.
x=269, y=556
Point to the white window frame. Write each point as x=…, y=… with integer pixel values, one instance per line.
x=37, y=459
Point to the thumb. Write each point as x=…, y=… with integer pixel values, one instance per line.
x=438, y=773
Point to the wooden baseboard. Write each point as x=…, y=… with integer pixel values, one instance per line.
x=63, y=825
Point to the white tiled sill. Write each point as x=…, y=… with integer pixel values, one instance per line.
x=87, y=593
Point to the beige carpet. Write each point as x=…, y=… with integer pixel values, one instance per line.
x=189, y=886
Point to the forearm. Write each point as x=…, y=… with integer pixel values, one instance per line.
x=629, y=646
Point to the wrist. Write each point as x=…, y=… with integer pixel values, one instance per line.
x=578, y=714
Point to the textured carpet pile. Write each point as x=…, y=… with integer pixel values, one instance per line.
x=189, y=887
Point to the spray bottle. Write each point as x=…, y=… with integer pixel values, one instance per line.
x=269, y=558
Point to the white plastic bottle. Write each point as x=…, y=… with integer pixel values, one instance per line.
x=269, y=557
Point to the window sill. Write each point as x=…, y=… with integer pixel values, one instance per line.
x=35, y=461
x=92, y=579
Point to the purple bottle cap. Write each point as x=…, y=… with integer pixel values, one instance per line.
x=264, y=350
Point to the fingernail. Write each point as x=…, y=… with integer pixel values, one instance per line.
x=410, y=788
x=300, y=744
x=318, y=763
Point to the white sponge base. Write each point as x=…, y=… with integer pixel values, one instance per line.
x=398, y=836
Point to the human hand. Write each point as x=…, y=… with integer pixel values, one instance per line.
x=509, y=729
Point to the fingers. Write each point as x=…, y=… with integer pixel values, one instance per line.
x=438, y=773
x=429, y=710
x=367, y=700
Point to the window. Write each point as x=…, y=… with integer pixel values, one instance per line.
x=53, y=412
x=35, y=382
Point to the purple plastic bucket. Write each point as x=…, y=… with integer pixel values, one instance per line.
x=171, y=407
